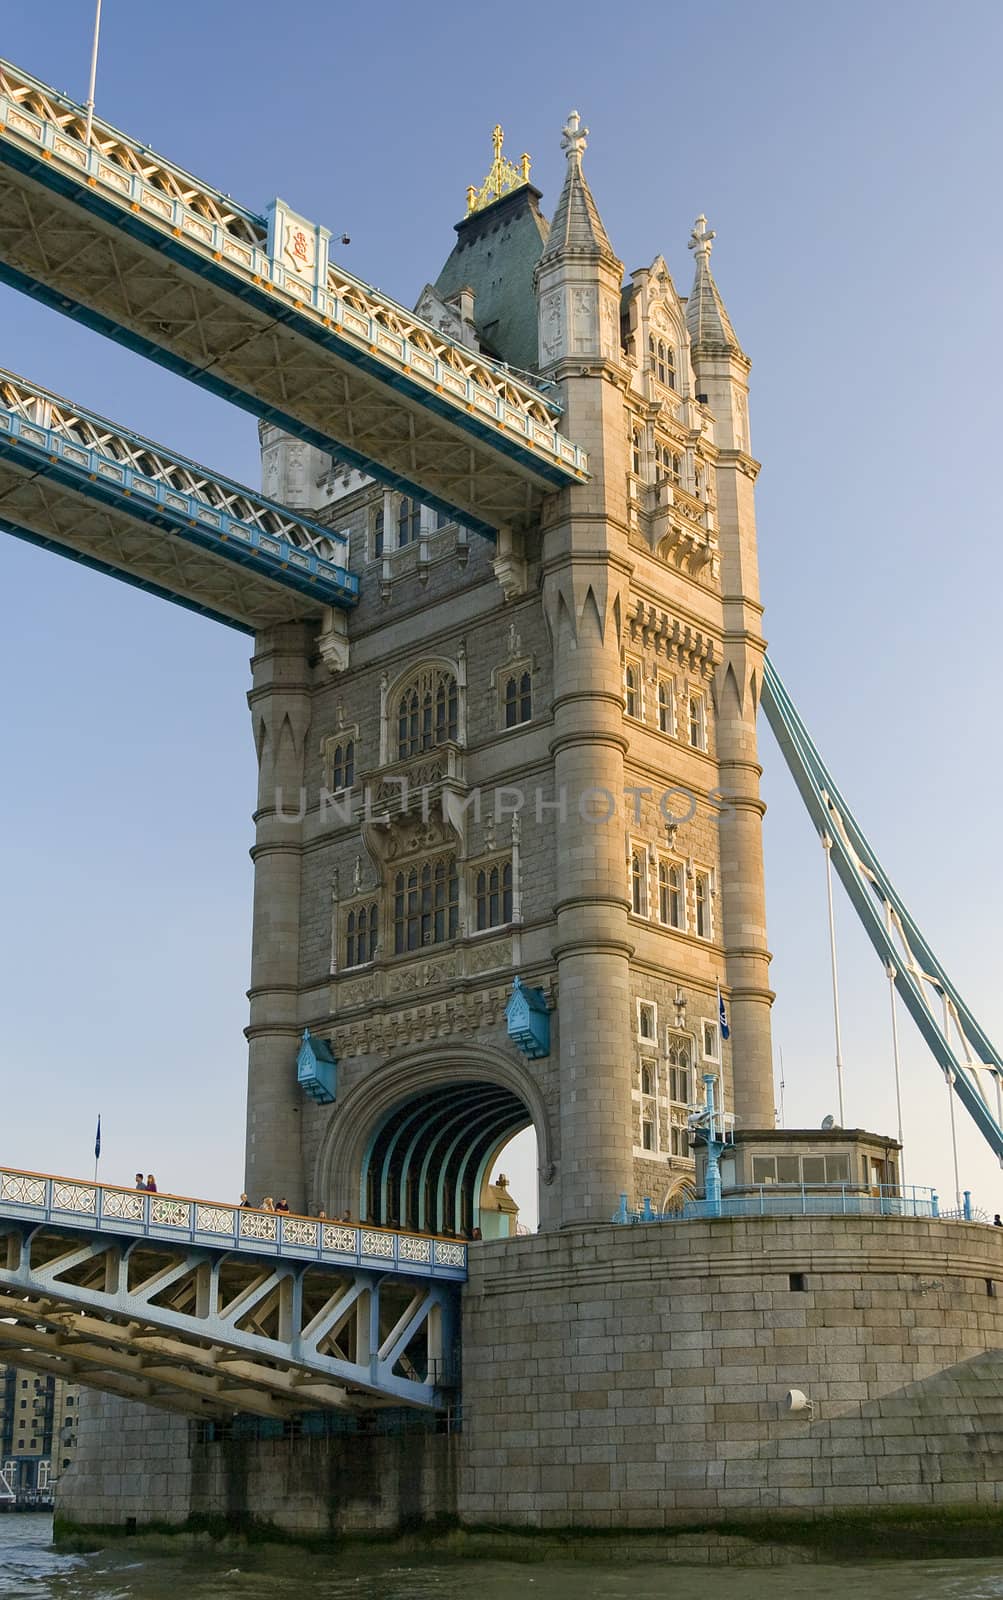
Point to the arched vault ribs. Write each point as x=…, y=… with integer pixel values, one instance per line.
x=413, y=1144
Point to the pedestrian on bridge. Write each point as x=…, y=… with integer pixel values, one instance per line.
x=151, y=1183
x=283, y=1204
x=140, y=1182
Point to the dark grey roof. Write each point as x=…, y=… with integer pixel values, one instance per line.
x=495, y=253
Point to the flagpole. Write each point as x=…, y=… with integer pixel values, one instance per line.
x=89, y=102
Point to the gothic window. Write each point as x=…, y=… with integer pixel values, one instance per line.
x=408, y=522
x=632, y=689
x=649, y=1107
x=666, y=706
x=680, y=1139
x=493, y=895
x=441, y=521
x=702, y=904
x=647, y=1021
x=636, y=453
x=517, y=699
x=670, y=463
x=711, y=1041
x=378, y=532
x=343, y=765
x=361, y=934
x=638, y=881
x=427, y=712
x=680, y=1057
x=426, y=904
x=663, y=361
x=671, y=897
x=697, y=716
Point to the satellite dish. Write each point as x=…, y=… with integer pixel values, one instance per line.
x=828, y=1122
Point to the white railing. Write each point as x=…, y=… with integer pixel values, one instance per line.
x=110, y=1209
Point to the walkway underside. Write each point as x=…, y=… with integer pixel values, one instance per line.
x=116, y=237
x=90, y=489
x=214, y=1333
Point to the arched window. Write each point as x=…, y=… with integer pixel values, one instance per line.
x=670, y=367
x=680, y=1075
x=632, y=689
x=378, y=532
x=493, y=895
x=647, y=1080
x=702, y=905
x=427, y=712
x=426, y=904
x=343, y=765
x=636, y=452
x=671, y=900
x=518, y=699
x=671, y=464
x=638, y=883
x=361, y=934
x=666, y=706
x=408, y=521
x=697, y=722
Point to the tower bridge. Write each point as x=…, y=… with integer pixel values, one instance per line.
x=475, y=951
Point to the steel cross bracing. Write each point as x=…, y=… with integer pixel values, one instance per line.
x=251, y=308
x=210, y=1309
x=959, y=1045
x=89, y=489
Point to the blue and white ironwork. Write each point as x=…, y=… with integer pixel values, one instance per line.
x=803, y=1200
x=964, y=1053
x=317, y=1070
x=715, y=1127
x=289, y=566
x=527, y=1020
x=212, y=1308
x=250, y=307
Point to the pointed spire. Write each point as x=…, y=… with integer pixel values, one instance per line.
x=577, y=226
x=708, y=322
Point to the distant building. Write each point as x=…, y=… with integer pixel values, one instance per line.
x=37, y=1433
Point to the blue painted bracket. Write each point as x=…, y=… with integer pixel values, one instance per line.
x=527, y=1017
x=317, y=1069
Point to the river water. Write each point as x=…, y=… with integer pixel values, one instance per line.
x=31, y=1570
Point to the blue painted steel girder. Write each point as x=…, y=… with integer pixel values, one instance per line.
x=285, y=570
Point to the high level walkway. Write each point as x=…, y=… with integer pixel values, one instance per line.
x=210, y=1309
x=90, y=489
x=252, y=308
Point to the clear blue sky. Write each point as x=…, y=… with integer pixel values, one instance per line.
x=848, y=157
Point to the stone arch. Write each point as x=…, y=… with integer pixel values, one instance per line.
x=496, y=1092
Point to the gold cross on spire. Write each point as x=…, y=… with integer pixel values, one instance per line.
x=503, y=177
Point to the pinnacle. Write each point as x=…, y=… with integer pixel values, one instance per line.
x=706, y=318
x=577, y=226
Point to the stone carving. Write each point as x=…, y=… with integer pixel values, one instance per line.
x=214, y=1219
x=552, y=326
x=344, y=1240
x=73, y=1197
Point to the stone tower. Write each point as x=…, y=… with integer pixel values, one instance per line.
x=530, y=760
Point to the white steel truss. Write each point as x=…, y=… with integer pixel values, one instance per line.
x=208, y=1309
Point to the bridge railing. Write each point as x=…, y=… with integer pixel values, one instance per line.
x=39, y=1197
x=799, y=1200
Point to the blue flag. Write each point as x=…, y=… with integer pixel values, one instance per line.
x=722, y=1015
x=97, y=1142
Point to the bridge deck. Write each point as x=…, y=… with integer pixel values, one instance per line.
x=208, y=1308
x=93, y=490
x=251, y=308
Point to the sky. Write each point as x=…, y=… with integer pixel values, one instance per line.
x=847, y=157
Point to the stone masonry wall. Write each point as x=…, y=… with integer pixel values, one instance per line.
x=636, y=1378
